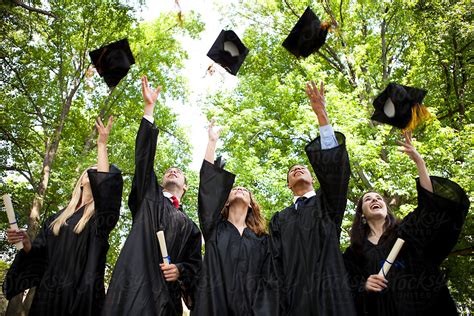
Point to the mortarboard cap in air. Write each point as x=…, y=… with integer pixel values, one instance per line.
x=228, y=51
x=400, y=106
x=113, y=61
x=307, y=36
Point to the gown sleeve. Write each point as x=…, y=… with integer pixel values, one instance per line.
x=266, y=300
x=434, y=226
x=277, y=261
x=107, y=191
x=215, y=185
x=356, y=277
x=332, y=170
x=28, y=269
x=144, y=177
x=190, y=268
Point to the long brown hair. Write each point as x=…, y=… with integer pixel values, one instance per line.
x=253, y=220
x=360, y=229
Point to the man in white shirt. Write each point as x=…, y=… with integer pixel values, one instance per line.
x=305, y=236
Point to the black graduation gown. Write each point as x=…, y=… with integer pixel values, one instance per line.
x=138, y=286
x=234, y=265
x=415, y=284
x=68, y=269
x=305, y=242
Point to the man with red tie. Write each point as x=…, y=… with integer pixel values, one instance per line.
x=141, y=283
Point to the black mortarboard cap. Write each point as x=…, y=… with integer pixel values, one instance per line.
x=228, y=51
x=220, y=162
x=307, y=36
x=400, y=106
x=113, y=61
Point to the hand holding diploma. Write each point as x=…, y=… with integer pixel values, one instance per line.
x=170, y=271
x=164, y=250
x=377, y=282
x=14, y=235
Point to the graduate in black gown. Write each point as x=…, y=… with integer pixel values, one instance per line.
x=66, y=260
x=414, y=284
x=141, y=284
x=236, y=259
x=305, y=235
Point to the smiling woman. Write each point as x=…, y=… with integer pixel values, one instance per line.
x=414, y=285
x=233, y=280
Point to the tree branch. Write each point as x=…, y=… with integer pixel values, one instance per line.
x=14, y=141
x=25, y=173
x=463, y=252
x=332, y=63
x=33, y=9
x=288, y=5
x=25, y=91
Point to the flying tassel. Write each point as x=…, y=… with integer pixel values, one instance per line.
x=329, y=26
x=419, y=114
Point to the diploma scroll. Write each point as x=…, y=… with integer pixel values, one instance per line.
x=164, y=251
x=11, y=217
x=391, y=257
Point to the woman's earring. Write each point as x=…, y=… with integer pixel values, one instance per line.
x=363, y=220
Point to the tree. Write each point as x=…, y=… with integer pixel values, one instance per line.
x=50, y=98
x=418, y=43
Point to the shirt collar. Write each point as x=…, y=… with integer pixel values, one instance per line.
x=306, y=195
x=169, y=195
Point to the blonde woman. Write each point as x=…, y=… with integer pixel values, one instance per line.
x=233, y=279
x=66, y=260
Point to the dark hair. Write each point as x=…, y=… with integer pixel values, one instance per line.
x=254, y=218
x=360, y=230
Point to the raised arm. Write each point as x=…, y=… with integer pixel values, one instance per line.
x=215, y=184
x=436, y=223
x=145, y=149
x=318, y=102
x=106, y=184
x=149, y=96
x=102, y=157
x=411, y=152
x=328, y=157
x=213, y=136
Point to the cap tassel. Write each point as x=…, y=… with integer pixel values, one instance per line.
x=419, y=114
x=327, y=26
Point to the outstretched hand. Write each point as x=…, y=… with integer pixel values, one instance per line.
x=318, y=102
x=408, y=148
x=213, y=131
x=103, y=131
x=149, y=95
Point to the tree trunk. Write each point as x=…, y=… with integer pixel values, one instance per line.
x=17, y=305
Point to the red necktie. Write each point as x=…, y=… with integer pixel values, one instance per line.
x=175, y=201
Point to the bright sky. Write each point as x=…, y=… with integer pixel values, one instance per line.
x=200, y=85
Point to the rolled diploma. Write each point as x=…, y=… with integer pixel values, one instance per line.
x=391, y=257
x=164, y=251
x=11, y=217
